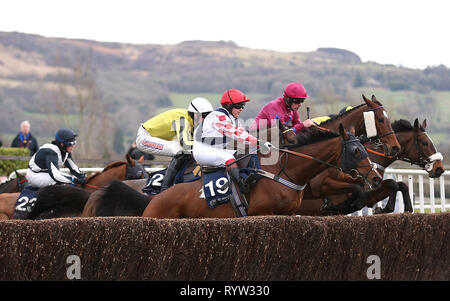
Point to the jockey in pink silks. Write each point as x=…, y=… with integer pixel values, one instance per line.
x=285, y=109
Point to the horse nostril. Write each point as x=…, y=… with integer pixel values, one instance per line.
x=439, y=172
x=376, y=181
x=395, y=150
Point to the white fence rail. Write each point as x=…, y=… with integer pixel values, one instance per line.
x=422, y=198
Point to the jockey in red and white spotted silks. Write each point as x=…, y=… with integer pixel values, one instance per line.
x=214, y=140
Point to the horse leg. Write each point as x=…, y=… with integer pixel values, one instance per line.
x=332, y=186
x=389, y=189
x=406, y=199
x=356, y=201
x=91, y=204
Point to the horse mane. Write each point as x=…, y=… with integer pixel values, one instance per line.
x=403, y=125
x=110, y=166
x=312, y=135
x=338, y=116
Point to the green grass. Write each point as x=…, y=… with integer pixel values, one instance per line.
x=428, y=210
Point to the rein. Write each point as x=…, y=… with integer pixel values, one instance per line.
x=301, y=155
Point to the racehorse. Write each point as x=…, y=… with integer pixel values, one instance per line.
x=266, y=196
x=120, y=170
x=383, y=135
x=416, y=148
x=280, y=133
x=14, y=185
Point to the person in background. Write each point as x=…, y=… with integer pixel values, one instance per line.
x=25, y=139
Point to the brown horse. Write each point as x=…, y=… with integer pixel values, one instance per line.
x=355, y=117
x=14, y=185
x=119, y=170
x=266, y=197
x=279, y=133
x=416, y=148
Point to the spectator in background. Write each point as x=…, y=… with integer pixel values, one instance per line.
x=1, y=142
x=25, y=139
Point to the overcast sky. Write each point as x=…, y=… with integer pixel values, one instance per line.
x=410, y=33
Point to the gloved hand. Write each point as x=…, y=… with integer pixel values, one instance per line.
x=81, y=180
x=264, y=148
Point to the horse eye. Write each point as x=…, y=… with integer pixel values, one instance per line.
x=381, y=120
x=356, y=152
x=424, y=143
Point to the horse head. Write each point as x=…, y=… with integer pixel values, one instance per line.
x=418, y=148
x=134, y=169
x=355, y=161
x=378, y=126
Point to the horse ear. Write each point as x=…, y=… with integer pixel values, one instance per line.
x=342, y=131
x=366, y=100
x=416, y=124
x=141, y=159
x=424, y=124
x=374, y=98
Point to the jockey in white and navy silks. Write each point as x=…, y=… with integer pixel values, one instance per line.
x=220, y=127
x=43, y=168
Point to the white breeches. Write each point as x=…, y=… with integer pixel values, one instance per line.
x=207, y=155
x=39, y=179
x=153, y=145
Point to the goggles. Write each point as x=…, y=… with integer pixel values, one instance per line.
x=239, y=106
x=297, y=100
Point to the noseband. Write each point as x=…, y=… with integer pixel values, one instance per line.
x=377, y=139
x=424, y=161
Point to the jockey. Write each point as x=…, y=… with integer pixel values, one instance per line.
x=285, y=108
x=219, y=128
x=43, y=168
x=170, y=134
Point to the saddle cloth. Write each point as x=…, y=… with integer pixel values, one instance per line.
x=189, y=172
x=25, y=202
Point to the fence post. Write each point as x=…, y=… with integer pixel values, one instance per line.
x=400, y=205
x=421, y=199
x=442, y=186
x=433, y=210
x=411, y=190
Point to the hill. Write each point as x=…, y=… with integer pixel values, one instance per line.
x=105, y=88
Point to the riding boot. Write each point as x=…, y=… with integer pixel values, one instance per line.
x=172, y=170
x=234, y=173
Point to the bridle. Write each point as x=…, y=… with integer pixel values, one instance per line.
x=377, y=139
x=424, y=161
x=353, y=172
